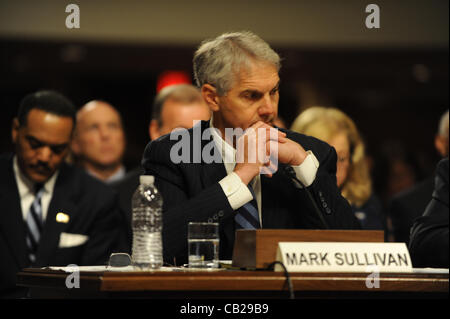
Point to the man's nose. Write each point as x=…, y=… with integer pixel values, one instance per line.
x=267, y=108
x=105, y=132
x=44, y=154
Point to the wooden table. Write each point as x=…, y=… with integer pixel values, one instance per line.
x=45, y=283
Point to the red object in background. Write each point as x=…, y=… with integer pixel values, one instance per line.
x=172, y=77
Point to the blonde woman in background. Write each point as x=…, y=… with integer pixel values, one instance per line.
x=353, y=178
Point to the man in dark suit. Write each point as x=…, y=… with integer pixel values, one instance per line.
x=175, y=106
x=411, y=203
x=52, y=214
x=429, y=235
x=209, y=173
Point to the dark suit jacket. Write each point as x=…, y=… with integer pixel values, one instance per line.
x=191, y=192
x=125, y=189
x=430, y=233
x=407, y=206
x=370, y=214
x=92, y=209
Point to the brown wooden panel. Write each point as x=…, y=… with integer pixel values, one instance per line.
x=226, y=282
x=257, y=248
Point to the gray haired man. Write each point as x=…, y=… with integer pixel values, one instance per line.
x=238, y=77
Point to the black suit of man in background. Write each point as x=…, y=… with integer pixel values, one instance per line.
x=80, y=223
x=429, y=235
x=411, y=203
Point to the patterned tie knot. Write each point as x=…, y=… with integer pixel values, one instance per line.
x=38, y=188
x=34, y=223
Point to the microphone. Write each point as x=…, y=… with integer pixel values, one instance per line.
x=291, y=173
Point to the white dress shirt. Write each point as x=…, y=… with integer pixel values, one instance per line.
x=237, y=192
x=26, y=191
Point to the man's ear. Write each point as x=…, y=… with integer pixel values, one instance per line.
x=440, y=144
x=15, y=130
x=153, y=130
x=211, y=97
x=74, y=146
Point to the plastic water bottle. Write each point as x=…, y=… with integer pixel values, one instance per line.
x=147, y=205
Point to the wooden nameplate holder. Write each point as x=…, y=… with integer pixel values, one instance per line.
x=256, y=249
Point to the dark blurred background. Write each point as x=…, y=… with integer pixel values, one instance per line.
x=393, y=81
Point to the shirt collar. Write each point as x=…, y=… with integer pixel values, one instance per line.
x=26, y=186
x=227, y=151
x=117, y=175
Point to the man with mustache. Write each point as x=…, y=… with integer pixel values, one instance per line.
x=52, y=214
x=238, y=77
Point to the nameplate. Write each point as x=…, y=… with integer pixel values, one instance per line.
x=343, y=257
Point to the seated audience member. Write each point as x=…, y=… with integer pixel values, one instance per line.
x=221, y=182
x=53, y=214
x=175, y=106
x=411, y=203
x=428, y=244
x=353, y=178
x=99, y=141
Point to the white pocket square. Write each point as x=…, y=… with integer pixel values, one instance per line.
x=71, y=240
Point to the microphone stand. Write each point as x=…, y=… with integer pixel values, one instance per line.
x=291, y=173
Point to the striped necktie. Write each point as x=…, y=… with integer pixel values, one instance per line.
x=247, y=216
x=34, y=223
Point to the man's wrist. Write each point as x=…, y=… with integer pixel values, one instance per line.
x=299, y=158
x=246, y=174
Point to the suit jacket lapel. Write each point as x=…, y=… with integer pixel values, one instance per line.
x=269, y=201
x=60, y=203
x=266, y=202
x=211, y=173
x=11, y=220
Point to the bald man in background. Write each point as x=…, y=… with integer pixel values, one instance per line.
x=99, y=141
x=175, y=106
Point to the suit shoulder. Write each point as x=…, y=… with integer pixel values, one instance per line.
x=131, y=180
x=159, y=149
x=178, y=134
x=83, y=183
x=5, y=159
x=423, y=190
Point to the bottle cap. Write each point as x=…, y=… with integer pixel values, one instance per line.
x=146, y=179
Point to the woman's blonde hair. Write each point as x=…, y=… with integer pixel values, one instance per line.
x=324, y=123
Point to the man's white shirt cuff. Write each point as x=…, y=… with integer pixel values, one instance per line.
x=236, y=191
x=306, y=171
